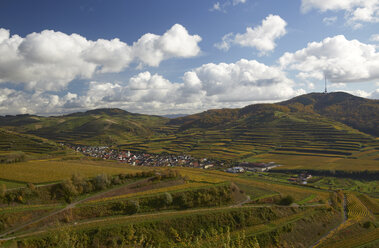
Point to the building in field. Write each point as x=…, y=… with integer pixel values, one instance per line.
x=235, y=170
x=258, y=167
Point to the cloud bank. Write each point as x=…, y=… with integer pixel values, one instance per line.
x=342, y=60
x=50, y=60
x=208, y=86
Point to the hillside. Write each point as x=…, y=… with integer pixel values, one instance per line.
x=257, y=129
x=300, y=126
x=14, y=146
x=357, y=112
x=100, y=126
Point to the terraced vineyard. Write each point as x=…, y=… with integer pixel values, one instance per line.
x=282, y=137
x=12, y=141
x=290, y=128
x=370, y=204
x=355, y=208
x=52, y=199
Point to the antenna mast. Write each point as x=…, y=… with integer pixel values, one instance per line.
x=326, y=91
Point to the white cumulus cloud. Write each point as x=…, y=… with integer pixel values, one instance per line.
x=356, y=11
x=245, y=80
x=50, y=60
x=151, y=49
x=261, y=37
x=342, y=60
x=208, y=86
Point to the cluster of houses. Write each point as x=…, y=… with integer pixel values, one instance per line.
x=301, y=178
x=253, y=167
x=144, y=159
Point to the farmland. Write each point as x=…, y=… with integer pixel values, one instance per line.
x=45, y=171
x=52, y=195
x=163, y=200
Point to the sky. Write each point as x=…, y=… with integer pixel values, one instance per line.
x=182, y=57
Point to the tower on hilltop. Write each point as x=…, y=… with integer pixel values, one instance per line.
x=326, y=91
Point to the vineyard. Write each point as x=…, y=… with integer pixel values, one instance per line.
x=51, y=170
x=355, y=208
x=357, y=240
x=186, y=186
x=369, y=203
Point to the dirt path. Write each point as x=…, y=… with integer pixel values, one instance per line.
x=331, y=232
x=241, y=203
x=72, y=205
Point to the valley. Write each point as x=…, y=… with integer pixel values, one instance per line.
x=110, y=178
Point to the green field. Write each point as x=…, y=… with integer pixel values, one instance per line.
x=11, y=184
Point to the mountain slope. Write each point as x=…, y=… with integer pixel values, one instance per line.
x=357, y=112
x=312, y=124
x=11, y=141
x=255, y=129
x=100, y=126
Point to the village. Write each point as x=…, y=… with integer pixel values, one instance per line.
x=145, y=159
x=171, y=160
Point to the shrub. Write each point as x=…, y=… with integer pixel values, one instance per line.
x=288, y=200
x=101, y=182
x=168, y=199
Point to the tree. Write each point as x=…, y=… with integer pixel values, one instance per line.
x=168, y=199
x=133, y=207
x=79, y=182
x=101, y=182
x=288, y=200
x=69, y=190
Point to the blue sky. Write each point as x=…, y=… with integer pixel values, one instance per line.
x=177, y=56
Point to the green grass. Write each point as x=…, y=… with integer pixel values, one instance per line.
x=12, y=184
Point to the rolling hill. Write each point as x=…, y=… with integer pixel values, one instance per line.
x=330, y=125
x=16, y=146
x=99, y=126
x=357, y=112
